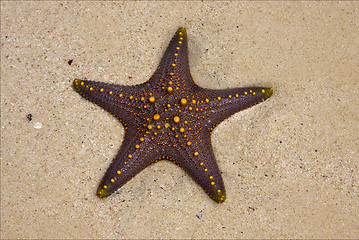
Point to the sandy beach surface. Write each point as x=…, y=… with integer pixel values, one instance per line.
x=290, y=164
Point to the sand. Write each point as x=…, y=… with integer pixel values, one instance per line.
x=290, y=164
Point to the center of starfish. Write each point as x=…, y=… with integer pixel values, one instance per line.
x=166, y=120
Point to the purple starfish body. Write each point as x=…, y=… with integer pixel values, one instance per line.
x=169, y=117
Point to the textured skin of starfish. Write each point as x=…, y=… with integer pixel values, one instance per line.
x=169, y=117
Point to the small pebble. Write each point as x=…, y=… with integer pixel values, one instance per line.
x=29, y=117
x=37, y=125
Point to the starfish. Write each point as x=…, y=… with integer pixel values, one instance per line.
x=169, y=117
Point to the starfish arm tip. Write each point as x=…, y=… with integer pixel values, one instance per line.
x=78, y=85
x=181, y=29
x=268, y=92
x=102, y=193
x=220, y=197
x=76, y=82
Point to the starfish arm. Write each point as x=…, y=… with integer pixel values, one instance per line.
x=174, y=62
x=117, y=99
x=198, y=161
x=130, y=160
x=220, y=104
